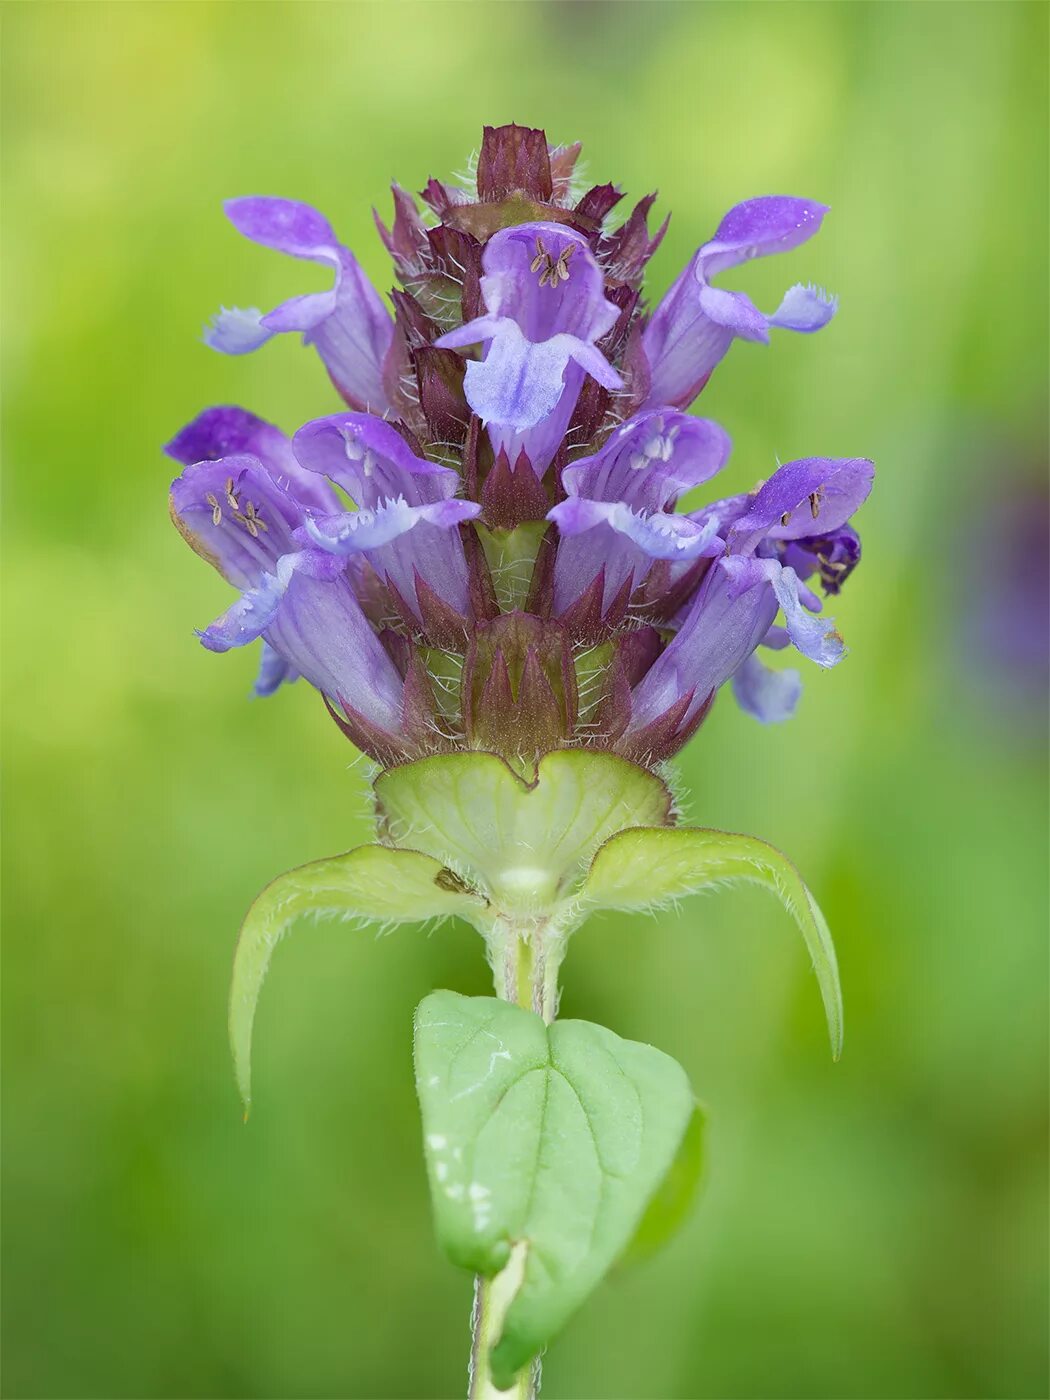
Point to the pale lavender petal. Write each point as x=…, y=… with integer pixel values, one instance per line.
x=732, y=311
x=614, y=516
x=770, y=696
x=814, y=637
x=776, y=639
x=274, y=671
x=804, y=308
x=246, y=619
x=360, y=531
x=541, y=442
x=476, y=332
x=237, y=330
x=520, y=382
x=659, y=535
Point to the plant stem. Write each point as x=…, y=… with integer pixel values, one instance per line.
x=526, y=955
x=492, y=1298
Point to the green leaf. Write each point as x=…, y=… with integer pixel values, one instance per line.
x=669, y=1208
x=525, y=845
x=554, y=1138
x=646, y=867
x=370, y=882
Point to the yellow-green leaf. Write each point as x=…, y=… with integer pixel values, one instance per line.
x=648, y=866
x=372, y=883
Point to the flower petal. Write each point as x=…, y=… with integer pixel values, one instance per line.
x=617, y=498
x=769, y=696
x=651, y=460
x=813, y=496
x=545, y=302
x=773, y=223
x=349, y=325
x=659, y=535
x=316, y=625
x=814, y=637
x=235, y=516
x=397, y=493
x=274, y=671
x=544, y=277
x=230, y=431
x=695, y=323
x=722, y=628
x=371, y=461
x=804, y=308
x=519, y=382
x=360, y=531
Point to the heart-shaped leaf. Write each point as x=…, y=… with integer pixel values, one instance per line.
x=548, y=1141
x=648, y=866
x=369, y=883
x=670, y=1206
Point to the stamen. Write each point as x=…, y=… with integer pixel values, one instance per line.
x=216, y=509
x=785, y=519
x=814, y=501
x=230, y=497
x=251, y=520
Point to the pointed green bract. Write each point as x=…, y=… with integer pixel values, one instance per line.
x=554, y=1136
x=526, y=846
x=641, y=869
x=370, y=882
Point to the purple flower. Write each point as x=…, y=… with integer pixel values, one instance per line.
x=735, y=607
x=546, y=307
x=405, y=516
x=695, y=323
x=618, y=516
x=349, y=325
x=486, y=551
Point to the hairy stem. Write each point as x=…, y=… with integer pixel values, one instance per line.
x=492, y=1298
x=526, y=955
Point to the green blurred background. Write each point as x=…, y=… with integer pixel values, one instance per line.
x=871, y=1229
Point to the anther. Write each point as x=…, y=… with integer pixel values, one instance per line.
x=216, y=509
x=251, y=520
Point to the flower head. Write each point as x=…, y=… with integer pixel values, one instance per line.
x=483, y=549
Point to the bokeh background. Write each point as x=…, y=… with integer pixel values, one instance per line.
x=871, y=1229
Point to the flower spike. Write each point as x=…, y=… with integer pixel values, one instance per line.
x=503, y=566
